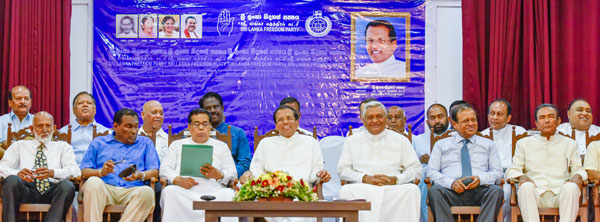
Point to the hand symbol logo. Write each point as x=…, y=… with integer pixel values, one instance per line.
x=225, y=23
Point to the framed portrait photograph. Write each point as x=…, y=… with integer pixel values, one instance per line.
x=126, y=26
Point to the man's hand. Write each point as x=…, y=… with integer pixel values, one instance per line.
x=134, y=176
x=324, y=176
x=185, y=182
x=424, y=158
x=577, y=180
x=246, y=176
x=474, y=184
x=458, y=186
x=211, y=172
x=524, y=178
x=107, y=168
x=387, y=180
x=377, y=181
x=26, y=175
x=43, y=173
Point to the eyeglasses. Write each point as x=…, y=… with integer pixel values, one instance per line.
x=288, y=118
x=198, y=124
x=380, y=41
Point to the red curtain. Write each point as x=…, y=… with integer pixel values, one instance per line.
x=34, y=45
x=530, y=52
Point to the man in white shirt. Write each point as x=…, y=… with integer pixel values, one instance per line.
x=499, y=114
x=580, y=119
x=190, y=28
x=153, y=117
x=548, y=169
x=381, y=43
x=360, y=108
x=380, y=165
x=37, y=171
x=396, y=119
x=293, y=102
x=176, y=200
x=437, y=121
x=19, y=101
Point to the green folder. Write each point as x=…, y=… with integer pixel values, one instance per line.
x=193, y=157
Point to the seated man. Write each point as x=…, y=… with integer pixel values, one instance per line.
x=106, y=157
x=153, y=117
x=548, y=169
x=176, y=200
x=84, y=109
x=293, y=102
x=360, y=108
x=499, y=114
x=396, y=119
x=380, y=165
x=437, y=121
x=580, y=118
x=464, y=169
x=240, y=148
x=37, y=171
x=19, y=101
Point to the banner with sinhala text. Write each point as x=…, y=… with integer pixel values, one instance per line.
x=328, y=54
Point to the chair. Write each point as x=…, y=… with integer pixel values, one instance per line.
x=36, y=211
x=110, y=208
x=544, y=212
x=153, y=137
x=172, y=137
x=314, y=133
x=331, y=147
x=226, y=138
x=572, y=136
x=408, y=133
x=491, y=136
x=595, y=184
x=96, y=134
x=433, y=139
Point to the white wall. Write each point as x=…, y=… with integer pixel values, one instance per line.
x=443, y=54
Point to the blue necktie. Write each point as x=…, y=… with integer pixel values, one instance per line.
x=465, y=160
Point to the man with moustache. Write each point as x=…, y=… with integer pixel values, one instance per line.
x=580, y=118
x=84, y=109
x=299, y=155
x=380, y=36
x=548, y=169
x=19, y=101
x=240, y=148
x=437, y=121
x=293, y=102
x=37, y=171
x=176, y=200
x=190, y=28
x=499, y=114
x=153, y=117
x=109, y=155
x=127, y=27
x=396, y=119
x=464, y=169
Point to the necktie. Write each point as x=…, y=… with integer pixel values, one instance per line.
x=465, y=160
x=40, y=162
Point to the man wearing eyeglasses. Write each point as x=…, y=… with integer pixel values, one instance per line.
x=381, y=43
x=240, y=148
x=176, y=201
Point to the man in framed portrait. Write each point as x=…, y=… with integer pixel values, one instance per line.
x=381, y=43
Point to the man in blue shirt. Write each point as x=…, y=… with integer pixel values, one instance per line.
x=84, y=109
x=106, y=157
x=19, y=101
x=464, y=169
x=240, y=148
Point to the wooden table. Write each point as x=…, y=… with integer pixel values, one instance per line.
x=347, y=209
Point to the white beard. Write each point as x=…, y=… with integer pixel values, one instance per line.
x=43, y=140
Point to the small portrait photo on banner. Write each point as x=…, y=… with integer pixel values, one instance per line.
x=148, y=26
x=168, y=26
x=192, y=26
x=380, y=47
x=126, y=26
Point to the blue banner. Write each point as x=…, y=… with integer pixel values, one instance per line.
x=255, y=53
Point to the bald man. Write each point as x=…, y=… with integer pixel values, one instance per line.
x=19, y=101
x=580, y=118
x=153, y=117
x=37, y=171
x=396, y=119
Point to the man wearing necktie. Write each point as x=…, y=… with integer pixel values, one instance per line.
x=464, y=169
x=37, y=171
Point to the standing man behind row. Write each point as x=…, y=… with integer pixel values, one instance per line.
x=19, y=101
x=396, y=119
x=240, y=148
x=153, y=117
x=580, y=119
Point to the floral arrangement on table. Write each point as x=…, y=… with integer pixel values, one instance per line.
x=276, y=184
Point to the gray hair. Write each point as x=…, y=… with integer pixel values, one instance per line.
x=372, y=104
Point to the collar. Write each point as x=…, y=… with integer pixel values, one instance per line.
x=387, y=62
x=222, y=124
x=552, y=138
x=376, y=137
x=459, y=139
x=13, y=115
x=160, y=132
x=37, y=143
x=76, y=124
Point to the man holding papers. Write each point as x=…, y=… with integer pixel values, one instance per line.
x=210, y=178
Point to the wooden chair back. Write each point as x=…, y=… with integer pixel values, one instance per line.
x=407, y=133
x=349, y=130
x=226, y=138
x=152, y=137
x=516, y=138
x=95, y=132
x=258, y=138
x=58, y=136
x=490, y=136
x=23, y=134
x=314, y=133
x=589, y=139
x=433, y=139
x=572, y=136
x=172, y=137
